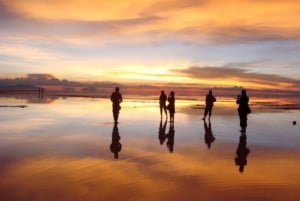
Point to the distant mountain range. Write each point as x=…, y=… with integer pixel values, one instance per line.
x=33, y=82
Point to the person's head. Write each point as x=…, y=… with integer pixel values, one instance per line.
x=210, y=91
x=244, y=93
x=162, y=91
x=172, y=93
x=117, y=89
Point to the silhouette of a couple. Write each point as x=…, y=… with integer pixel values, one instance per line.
x=171, y=104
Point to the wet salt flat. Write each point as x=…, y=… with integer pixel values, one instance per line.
x=61, y=150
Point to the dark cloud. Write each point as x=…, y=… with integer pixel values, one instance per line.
x=239, y=74
x=40, y=76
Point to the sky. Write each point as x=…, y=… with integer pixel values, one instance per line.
x=214, y=43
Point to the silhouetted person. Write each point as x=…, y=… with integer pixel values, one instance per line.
x=242, y=152
x=171, y=105
x=116, y=98
x=162, y=132
x=170, y=137
x=162, y=103
x=243, y=109
x=209, y=138
x=115, y=146
x=209, y=103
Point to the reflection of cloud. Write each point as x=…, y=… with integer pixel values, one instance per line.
x=146, y=178
x=238, y=74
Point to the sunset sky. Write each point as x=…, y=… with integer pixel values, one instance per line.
x=250, y=43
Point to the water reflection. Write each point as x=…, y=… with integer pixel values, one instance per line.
x=162, y=132
x=170, y=137
x=115, y=146
x=208, y=136
x=242, y=152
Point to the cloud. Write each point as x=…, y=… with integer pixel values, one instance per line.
x=206, y=20
x=241, y=75
x=40, y=76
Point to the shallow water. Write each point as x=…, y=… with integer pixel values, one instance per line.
x=61, y=150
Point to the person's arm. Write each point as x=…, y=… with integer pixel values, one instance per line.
x=111, y=97
x=121, y=98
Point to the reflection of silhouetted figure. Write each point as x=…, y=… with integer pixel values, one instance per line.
x=209, y=103
x=116, y=98
x=115, y=146
x=41, y=92
x=170, y=137
x=243, y=109
x=171, y=105
x=162, y=103
x=162, y=132
x=242, y=152
x=209, y=138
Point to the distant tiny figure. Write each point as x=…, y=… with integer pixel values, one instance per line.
x=209, y=103
x=171, y=105
x=162, y=103
x=115, y=146
x=41, y=92
x=294, y=122
x=209, y=137
x=116, y=98
x=242, y=153
x=243, y=109
x=162, y=132
x=171, y=137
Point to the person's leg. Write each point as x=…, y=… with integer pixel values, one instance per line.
x=116, y=115
x=205, y=112
x=165, y=109
x=160, y=109
x=209, y=112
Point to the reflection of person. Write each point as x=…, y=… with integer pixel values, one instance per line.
x=162, y=103
x=116, y=98
x=115, y=146
x=162, y=132
x=170, y=136
x=209, y=103
x=243, y=108
x=242, y=153
x=209, y=138
x=171, y=105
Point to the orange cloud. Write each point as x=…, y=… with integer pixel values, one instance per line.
x=233, y=20
x=231, y=76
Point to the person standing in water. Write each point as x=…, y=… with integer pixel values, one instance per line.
x=243, y=109
x=116, y=99
x=171, y=105
x=209, y=103
x=162, y=103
